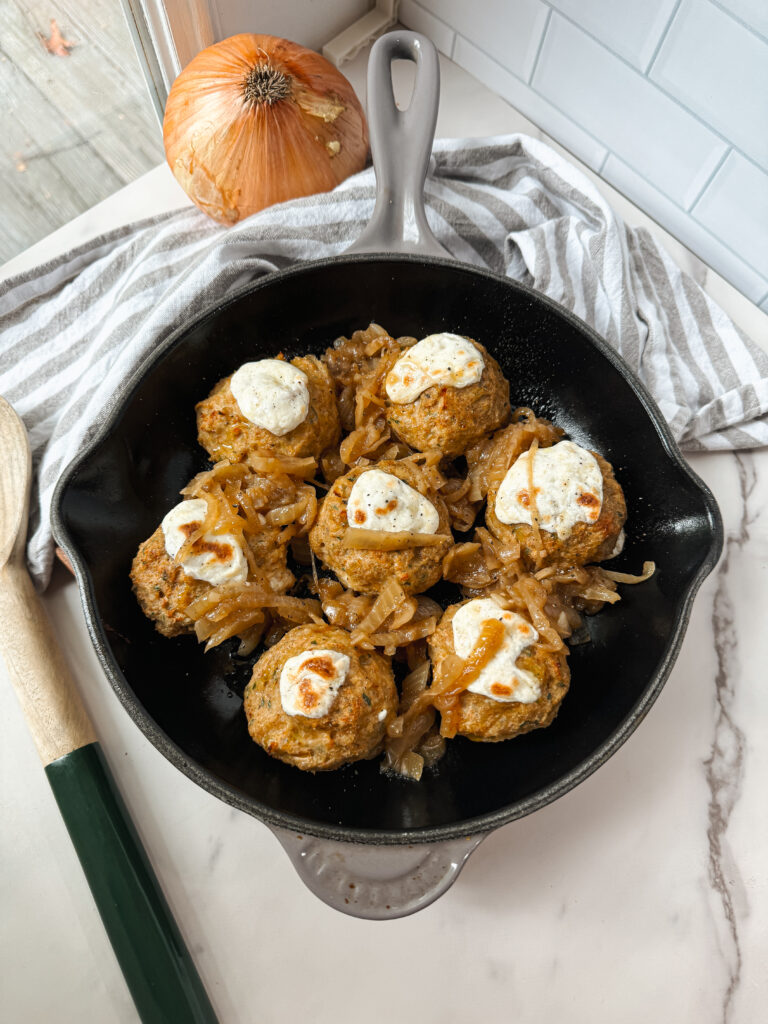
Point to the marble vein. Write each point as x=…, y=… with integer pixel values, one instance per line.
x=724, y=767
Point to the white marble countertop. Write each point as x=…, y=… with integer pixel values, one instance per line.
x=639, y=896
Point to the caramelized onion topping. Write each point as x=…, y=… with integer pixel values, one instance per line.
x=381, y=540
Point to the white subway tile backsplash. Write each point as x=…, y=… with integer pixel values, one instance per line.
x=631, y=29
x=719, y=69
x=735, y=208
x=680, y=224
x=529, y=103
x=507, y=30
x=666, y=99
x=753, y=12
x=419, y=20
x=626, y=112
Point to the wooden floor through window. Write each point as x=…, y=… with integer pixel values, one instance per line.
x=77, y=121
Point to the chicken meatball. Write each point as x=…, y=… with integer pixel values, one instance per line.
x=270, y=405
x=579, y=505
x=446, y=393
x=165, y=587
x=316, y=702
x=519, y=687
x=390, y=497
x=162, y=588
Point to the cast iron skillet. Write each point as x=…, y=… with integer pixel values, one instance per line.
x=188, y=704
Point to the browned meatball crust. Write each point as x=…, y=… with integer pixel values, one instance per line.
x=416, y=569
x=587, y=542
x=162, y=588
x=453, y=419
x=489, y=721
x=164, y=591
x=227, y=435
x=355, y=726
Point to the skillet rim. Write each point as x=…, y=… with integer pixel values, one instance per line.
x=236, y=798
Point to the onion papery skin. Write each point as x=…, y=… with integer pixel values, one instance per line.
x=233, y=155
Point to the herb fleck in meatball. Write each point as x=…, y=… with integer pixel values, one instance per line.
x=162, y=588
x=353, y=726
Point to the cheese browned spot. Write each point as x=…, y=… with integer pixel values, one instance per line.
x=310, y=681
x=567, y=485
x=214, y=558
x=443, y=360
x=382, y=501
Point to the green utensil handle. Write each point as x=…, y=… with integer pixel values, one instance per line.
x=150, y=950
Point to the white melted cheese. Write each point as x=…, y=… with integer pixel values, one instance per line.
x=441, y=359
x=310, y=681
x=382, y=501
x=272, y=394
x=220, y=560
x=500, y=679
x=568, y=485
x=618, y=546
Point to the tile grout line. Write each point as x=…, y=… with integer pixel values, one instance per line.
x=718, y=241
x=590, y=35
x=730, y=147
x=609, y=152
x=740, y=21
x=538, y=95
x=655, y=85
x=540, y=47
x=692, y=206
x=661, y=39
x=693, y=220
x=440, y=21
x=568, y=117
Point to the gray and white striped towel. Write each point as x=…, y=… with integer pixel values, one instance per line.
x=74, y=328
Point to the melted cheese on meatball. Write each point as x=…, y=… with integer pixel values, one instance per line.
x=216, y=557
x=382, y=501
x=500, y=679
x=310, y=681
x=440, y=359
x=272, y=394
x=618, y=546
x=568, y=489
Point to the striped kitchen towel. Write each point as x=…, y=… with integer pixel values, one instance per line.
x=73, y=329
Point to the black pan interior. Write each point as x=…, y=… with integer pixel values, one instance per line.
x=188, y=703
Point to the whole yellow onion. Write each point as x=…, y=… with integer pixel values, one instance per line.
x=255, y=120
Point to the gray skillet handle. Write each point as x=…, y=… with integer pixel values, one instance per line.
x=401, y=145
x=377, y=883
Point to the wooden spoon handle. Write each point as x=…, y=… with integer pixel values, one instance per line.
x=158, y=969
x=49, y=699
